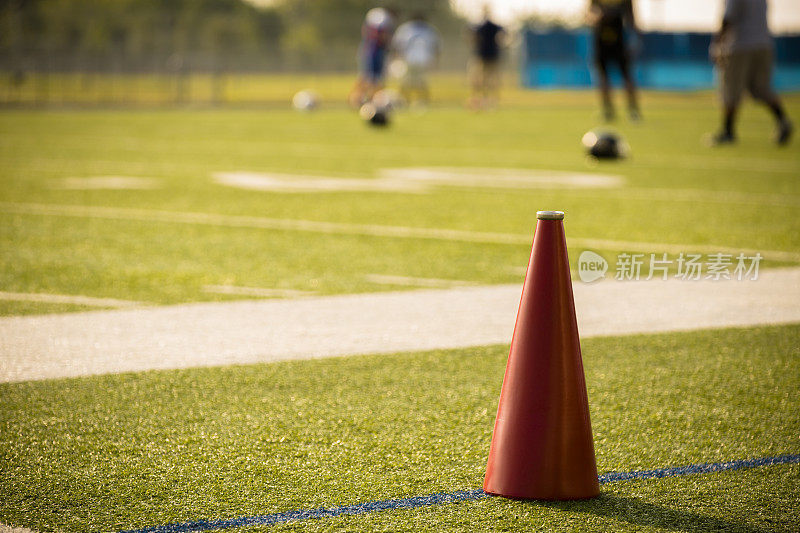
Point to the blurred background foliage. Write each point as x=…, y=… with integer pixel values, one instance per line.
x=141, y=36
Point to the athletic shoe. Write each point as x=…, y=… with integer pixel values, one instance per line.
x=722, y=138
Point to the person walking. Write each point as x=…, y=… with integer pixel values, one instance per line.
x=376, y=34
x=609, y=19
x=417, y=44
x=742, y=49
x=484, y=70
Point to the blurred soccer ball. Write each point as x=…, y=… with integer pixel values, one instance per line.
x=305, y=101
x=374, y=114
x=605, y=145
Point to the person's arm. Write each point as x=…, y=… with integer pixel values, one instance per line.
x=723, y=30
x=732, y=13
x=593, y=13
x=502, y=39
x=732, y=8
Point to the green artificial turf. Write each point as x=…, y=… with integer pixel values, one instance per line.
x=678, y=195
x=106, y=453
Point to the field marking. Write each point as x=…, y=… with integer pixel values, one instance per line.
x=258, y=292
x=68, y=299
x=420, y=180
x=440, y=498
x=290, y=183
x=9, y=529
x=503, y=178
x=407, y=281
x=370, y=230
x=425, y=179
x=107, y=182
x=268, y=330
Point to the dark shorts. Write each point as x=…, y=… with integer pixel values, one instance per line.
x=749, y=70
x=614, y=53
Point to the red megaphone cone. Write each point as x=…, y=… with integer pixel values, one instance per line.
x=542, y=443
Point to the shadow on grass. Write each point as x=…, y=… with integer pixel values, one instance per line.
x=640, y=513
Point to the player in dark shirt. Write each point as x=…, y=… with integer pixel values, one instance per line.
x=487, y=42
x=609, y=19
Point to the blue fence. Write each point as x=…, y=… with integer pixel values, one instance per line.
x=674, y=61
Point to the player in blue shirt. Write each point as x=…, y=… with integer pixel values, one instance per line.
x=376, y=35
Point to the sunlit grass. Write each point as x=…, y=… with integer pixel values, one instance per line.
x=132, y=450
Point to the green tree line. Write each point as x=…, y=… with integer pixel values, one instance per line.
x=197, y=35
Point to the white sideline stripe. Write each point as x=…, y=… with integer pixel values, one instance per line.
x=407, y=281
x=373, y=230
x=67, y=299
x=250, y=331
x=254, y=291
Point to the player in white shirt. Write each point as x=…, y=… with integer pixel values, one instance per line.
x=417, y=45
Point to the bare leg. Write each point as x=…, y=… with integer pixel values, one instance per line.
x=729, y=120
x=633, y=101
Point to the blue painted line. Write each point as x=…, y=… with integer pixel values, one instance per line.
x=310, y=514
x=705, y=468
x=447, y=497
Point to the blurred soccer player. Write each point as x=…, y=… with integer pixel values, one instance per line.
x=742, y=50
x=484, y=72
x=376, y=34
x=417, y=43
x=609, y=19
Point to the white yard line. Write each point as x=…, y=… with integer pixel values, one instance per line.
x=407, y=281
x=67, y=299
x=283, y=224
x=209, y=334
x=258, y=292
x=375, y=230
x=106, y=182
